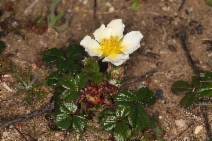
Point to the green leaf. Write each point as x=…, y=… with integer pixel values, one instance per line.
x=210, y=139
x=96, y=78
x=70, y=95
x=145, y=96
x=53, y=54
x=181, y=87
x=63, y=65
x=189, y=99
x=81, y=80
x=154, y=122
x=205, y=91
x=52, y=79
x=57, y=93
x=109, y=123
x=208, y=2
x=67, y=108
x=122, y=112
x=157, y=131
x=62, y=120
x=160, y=139
x=2, y=46
x=208, y=77
x=135, y=5
x=122, y=132
x=148, y=136
x=138, y=117
x=125, y=98
x=68, y=82
x=75, y=52
x=195, y=82
x=79, y=122
x=109, y=112
x=91, y=66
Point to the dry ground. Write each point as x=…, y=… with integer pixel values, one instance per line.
x=159, y=50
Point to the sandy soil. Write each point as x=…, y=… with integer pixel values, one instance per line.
x=160, y=51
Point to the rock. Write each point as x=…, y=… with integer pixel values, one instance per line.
x=186, y=139
x=172, y=48
x=111, y=9
x=180, y=123
x=85, y=2
x=5, y=134
x=198, y=129
x=108, y=4
x=159, y=94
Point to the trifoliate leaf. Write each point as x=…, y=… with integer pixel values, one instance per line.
x=138, y=117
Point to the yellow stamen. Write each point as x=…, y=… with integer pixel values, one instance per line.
x=111, y=46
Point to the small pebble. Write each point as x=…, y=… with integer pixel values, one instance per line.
x=172, y=48
x=85, y=2
x=111, y=9
x=180, y=123
x=5, y=134
x=108, y=4
x=186, y=139
x=198, y=129
x=159, y=94
x=11, y=126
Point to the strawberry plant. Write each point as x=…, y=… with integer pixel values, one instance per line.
x=79, y=86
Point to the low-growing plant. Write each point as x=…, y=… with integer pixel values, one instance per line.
x=194, y=91
x=84, y=91
x=52, y=18
x=30, y=85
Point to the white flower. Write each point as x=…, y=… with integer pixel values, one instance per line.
x=110, y=44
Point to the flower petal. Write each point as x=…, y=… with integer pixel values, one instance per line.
x=131, y=42
x=102, y=33
x=91, y=46
x=116, y=59
x=117, y=28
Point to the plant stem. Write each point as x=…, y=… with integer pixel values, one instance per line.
x=45, y=109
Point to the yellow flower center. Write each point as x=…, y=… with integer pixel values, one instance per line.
x=111, y=46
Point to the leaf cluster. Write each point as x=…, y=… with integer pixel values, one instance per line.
x=80, y=88
x=195, y=91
